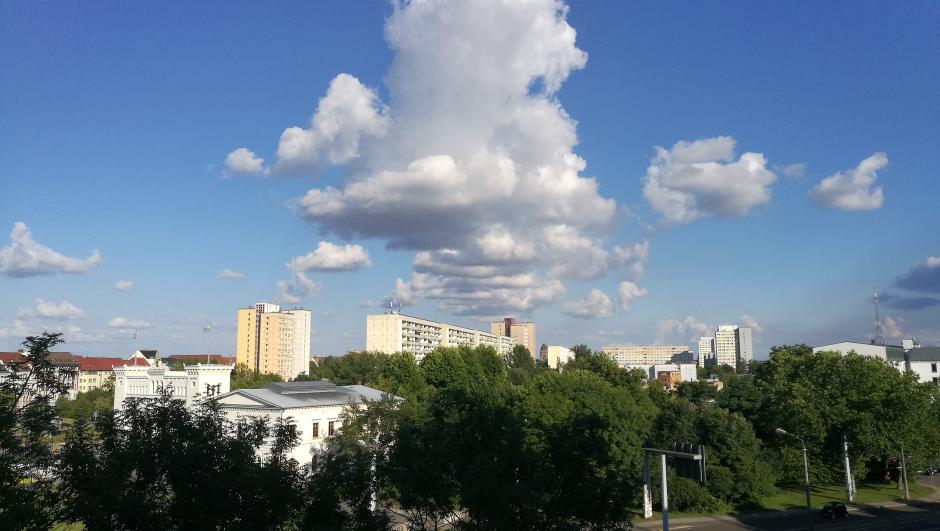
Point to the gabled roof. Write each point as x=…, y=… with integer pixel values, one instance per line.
x=57, y=358
x=149, y=354
x=98, y=363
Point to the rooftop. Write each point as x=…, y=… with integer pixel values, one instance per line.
x=284, y=395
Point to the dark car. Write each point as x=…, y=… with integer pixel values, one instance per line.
x=834, y=510
x=931, y=471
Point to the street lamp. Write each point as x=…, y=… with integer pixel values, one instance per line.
x=809, y=504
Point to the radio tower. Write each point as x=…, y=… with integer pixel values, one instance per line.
x=878, y=334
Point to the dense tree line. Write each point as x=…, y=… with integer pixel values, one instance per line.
x=474, y=439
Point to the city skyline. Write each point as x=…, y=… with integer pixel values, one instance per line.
x=634, y=174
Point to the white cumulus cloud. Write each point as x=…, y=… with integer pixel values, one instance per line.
x=25, y=257
x=62, y=311
x=295, y=290
x=749, y=322
x=698, y=179
x=628, y=291
x=228, y=273
x=125, y=323
x=243, y=160
x=123, y=285
x=595, y=304
x=348, y=113
x=688, y=329
x=331, y=257
x=853, y=189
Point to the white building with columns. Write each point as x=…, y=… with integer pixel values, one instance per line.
x=194, y=383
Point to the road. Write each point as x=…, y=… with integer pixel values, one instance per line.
x=884, y=516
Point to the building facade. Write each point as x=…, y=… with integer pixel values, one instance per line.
x=315, y=407
x=706, y=351
x=16, y=365
x=394, y=332
x=194, y=383
x=522, y=333
x=909, y=356
x=644, y=355
x=555, y=356
x=272, y=340
x=730, y=346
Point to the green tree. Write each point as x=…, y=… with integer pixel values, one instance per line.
x=581, y=351
x=158, y=465
x=823, y=397
x=244, y=378
x=86, y=403
x=27, y=496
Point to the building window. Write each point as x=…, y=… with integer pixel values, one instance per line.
x=933, y=367
x=316, y=430
x=332, y=427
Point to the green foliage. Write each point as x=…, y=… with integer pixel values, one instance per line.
x=685, y=495
x=581, y=351
x=87, y=402
x=244, y=378
x=158, y=465
x=697, y=391
x=27, y=496
x=823, y=397
x=736, y=470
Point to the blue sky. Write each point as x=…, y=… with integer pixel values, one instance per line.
x=452, y=148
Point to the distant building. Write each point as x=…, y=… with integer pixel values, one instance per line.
x=731, y=346
x=522, y=333
x=394, y=332
x=192, y=359
x=272, y=340
x=65, y=367
x=151, y=357
x=706, y=351
x=644, y=355
x=555, y=356
x=314, y=406
x=909, y=356
x=194, y=383
x=95, y=371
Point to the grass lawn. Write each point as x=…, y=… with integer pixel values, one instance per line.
x=795, y=498
x=61, y=526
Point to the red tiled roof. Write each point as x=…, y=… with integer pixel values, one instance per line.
x=214, y=358
x=138, y=362
x=11, y=357
x=98, y=363
x=55, y=357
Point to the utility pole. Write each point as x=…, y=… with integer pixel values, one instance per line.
x=849, y=480
x=907, y=494
x=809, y=504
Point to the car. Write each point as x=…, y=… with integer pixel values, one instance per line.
x=931, y=471
x=834, y=510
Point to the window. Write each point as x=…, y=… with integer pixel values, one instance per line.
x=933, y=367
x=332, y=427
x=316, y=430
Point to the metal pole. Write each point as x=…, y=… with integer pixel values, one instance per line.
x=809, y=504
x=907, y=494
x=849, y=490
x=665, y=496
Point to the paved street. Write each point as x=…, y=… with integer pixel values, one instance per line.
x=894, y=516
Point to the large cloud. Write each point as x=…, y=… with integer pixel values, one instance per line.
x=688, y=329
x=296, y=289
x=470, y=162
x=62, y=311
x=25, y=257
x=697, y=179
x=331, y=257
x=627, y=292
x=924, y=276
x=595, y=304
x=852, y=189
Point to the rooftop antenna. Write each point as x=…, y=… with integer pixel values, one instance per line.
x=877, y=336
x=205, y=330
x=399, y=307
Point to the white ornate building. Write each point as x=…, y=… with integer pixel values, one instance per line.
x=195, y=383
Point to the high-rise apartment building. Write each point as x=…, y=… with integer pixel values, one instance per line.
x=637, y=355
x=522, y=333
x=732, y=346
x=706, y=350
x=273, y=340
x=394, y=332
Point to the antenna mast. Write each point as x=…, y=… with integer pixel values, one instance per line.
x=877, y=336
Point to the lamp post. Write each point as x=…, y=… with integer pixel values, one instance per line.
x=809, y=505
